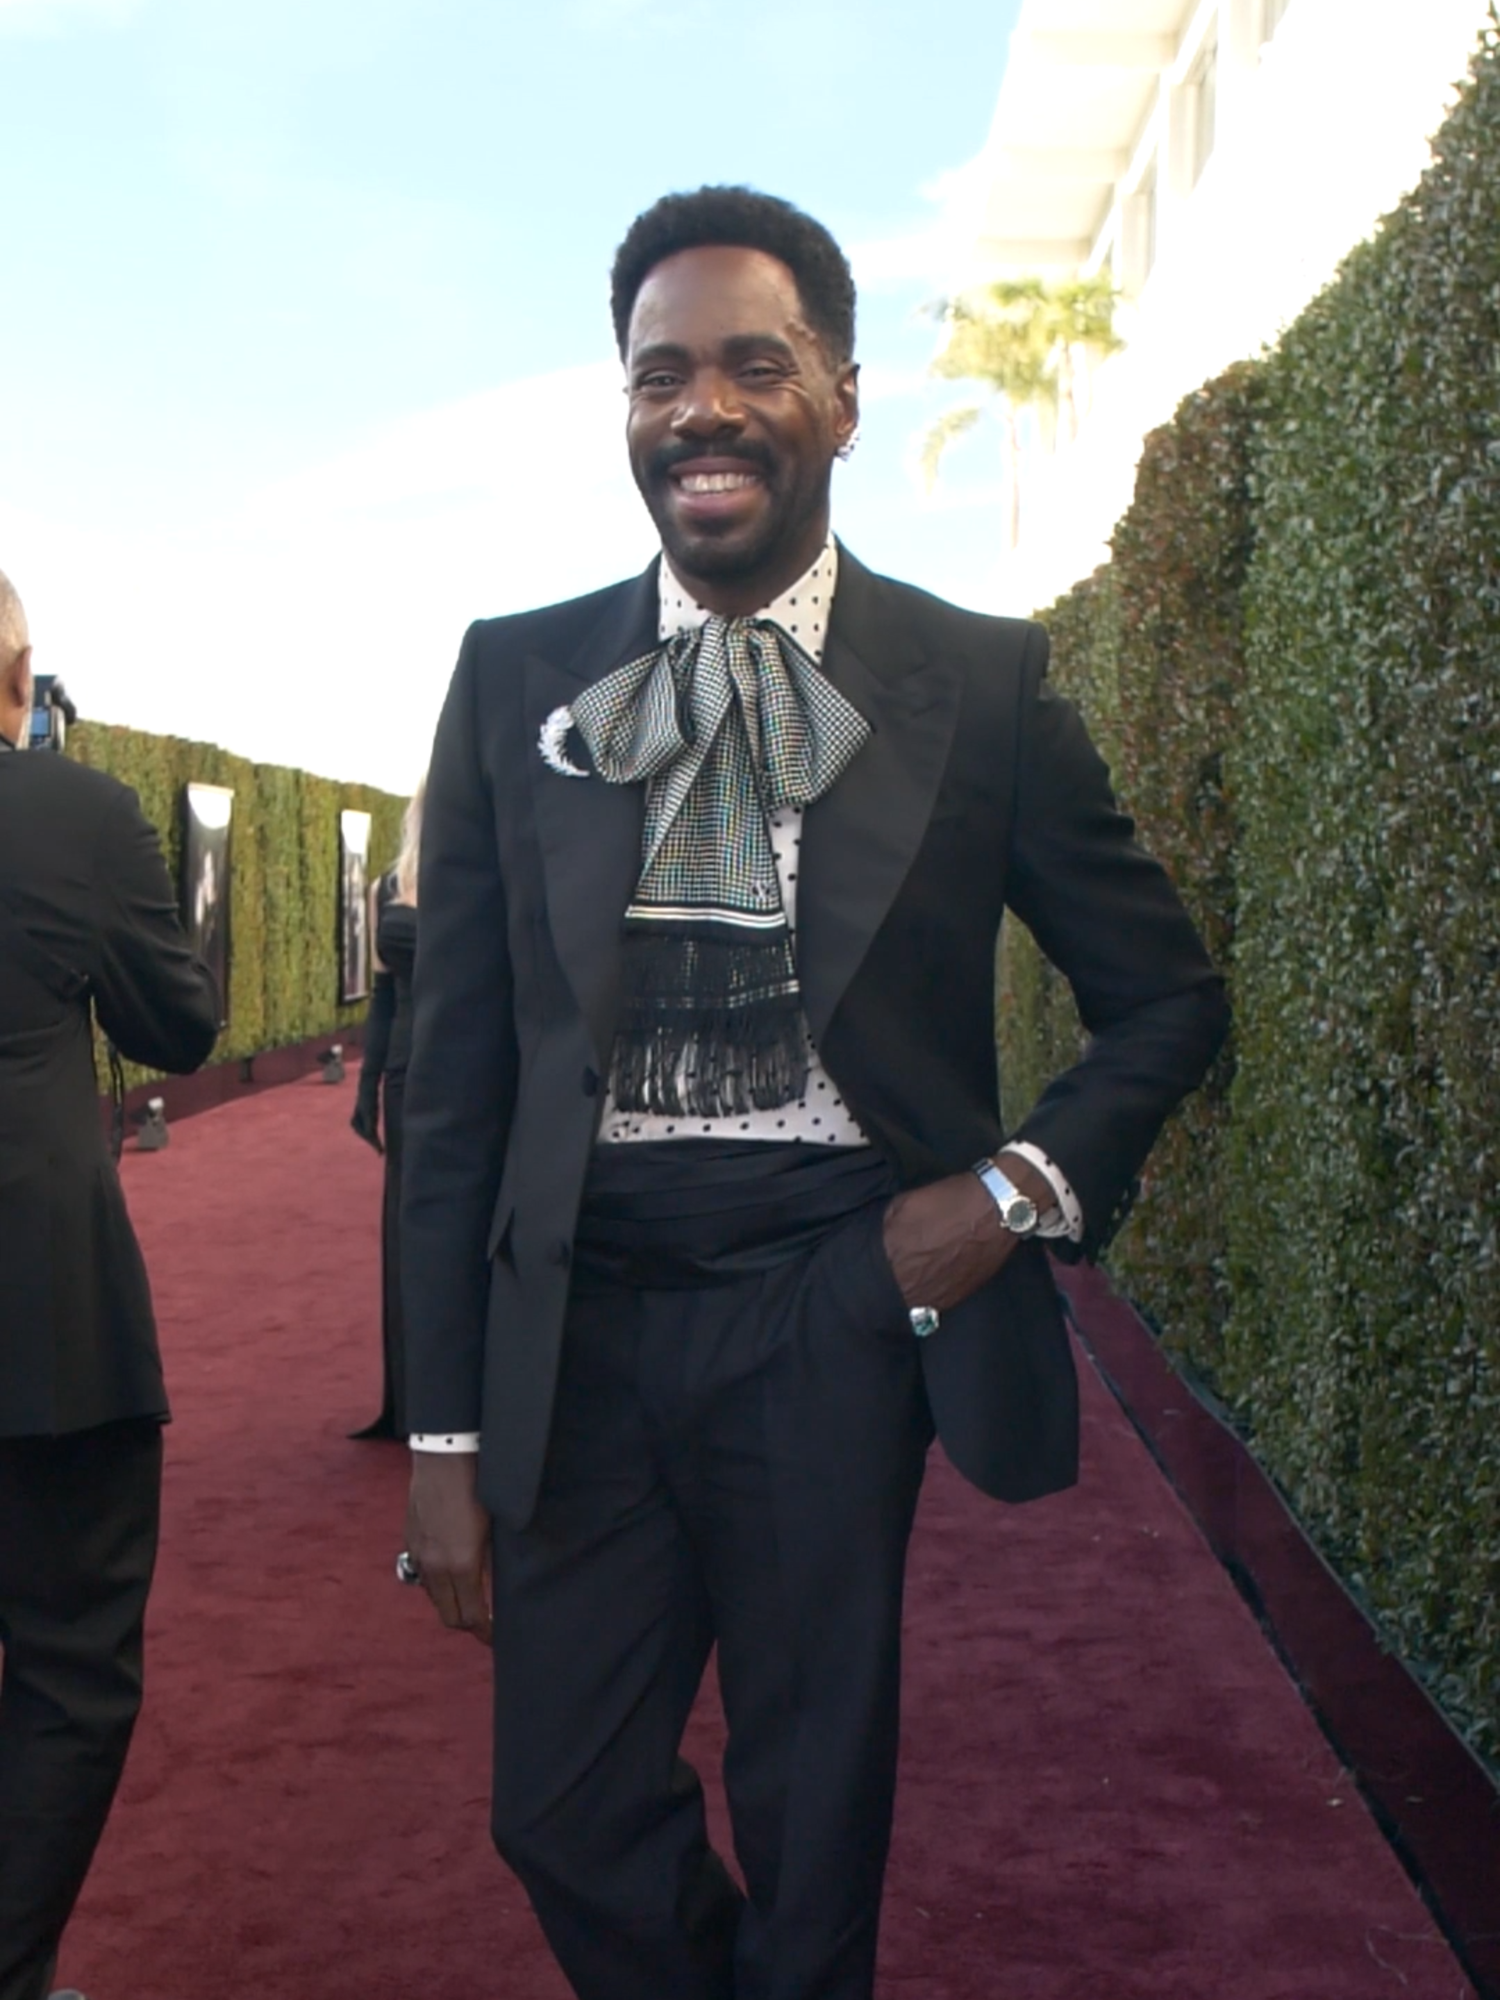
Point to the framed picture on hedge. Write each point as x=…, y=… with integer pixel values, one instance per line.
x=354, y=906
x=206, y=814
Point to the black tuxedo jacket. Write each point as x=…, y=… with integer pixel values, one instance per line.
x=82, y=874
x=977, y=791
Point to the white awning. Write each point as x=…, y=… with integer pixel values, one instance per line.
x=1080, y=81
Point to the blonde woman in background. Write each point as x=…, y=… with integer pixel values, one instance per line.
x=382, y=1089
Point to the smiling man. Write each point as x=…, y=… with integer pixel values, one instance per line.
x=710, y=1214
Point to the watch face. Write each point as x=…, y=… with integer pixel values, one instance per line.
x=1020, y=1215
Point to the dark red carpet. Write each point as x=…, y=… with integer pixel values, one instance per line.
x=1111, y=1790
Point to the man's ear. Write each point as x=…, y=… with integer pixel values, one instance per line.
x=846, y=388
x=19, y=679
x=15, y=681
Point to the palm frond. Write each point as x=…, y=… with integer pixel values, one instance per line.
x=952, y=424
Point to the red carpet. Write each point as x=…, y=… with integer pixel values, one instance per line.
x=1110, y=1789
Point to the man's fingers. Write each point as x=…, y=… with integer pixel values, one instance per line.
x=460, y=1599
x=439, y=1587
x=449, y=1533
x=473, y=1603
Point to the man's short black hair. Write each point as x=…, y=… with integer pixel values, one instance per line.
x=745, y=219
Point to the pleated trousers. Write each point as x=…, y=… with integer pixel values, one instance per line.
x=733, y=1464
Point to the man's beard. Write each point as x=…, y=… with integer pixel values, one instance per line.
x=702, y=553
x=716, y=561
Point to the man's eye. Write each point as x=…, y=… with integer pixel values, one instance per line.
x=760, y=371
x=657, y=380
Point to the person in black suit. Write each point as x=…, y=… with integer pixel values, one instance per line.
x=88, y=925
x=710, y=1215
x=382, y=1088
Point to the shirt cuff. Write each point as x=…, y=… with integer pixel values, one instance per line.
x=1065, y=1218
x=448, y=1441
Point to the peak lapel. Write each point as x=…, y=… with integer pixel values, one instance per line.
x=588, y=832
x=860, y=839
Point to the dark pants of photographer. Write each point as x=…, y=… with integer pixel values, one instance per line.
x=78, y=1527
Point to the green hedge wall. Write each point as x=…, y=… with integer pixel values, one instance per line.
x=284, y=873
x=1293, y=662
x=1152, y=650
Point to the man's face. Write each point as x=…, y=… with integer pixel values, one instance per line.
x=736, y=412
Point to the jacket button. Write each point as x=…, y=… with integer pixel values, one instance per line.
x=591, y=1083
x=561, y=1252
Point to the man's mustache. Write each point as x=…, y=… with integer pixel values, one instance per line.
x=667, y=457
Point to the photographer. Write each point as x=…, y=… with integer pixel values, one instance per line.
x=88, y=924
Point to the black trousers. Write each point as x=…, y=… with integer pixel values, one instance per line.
x=735, y=1464
x=78, y=1527
x=392, y=1336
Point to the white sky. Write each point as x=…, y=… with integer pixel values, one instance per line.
x=306, y=352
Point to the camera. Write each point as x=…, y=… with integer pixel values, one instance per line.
x=52, y=713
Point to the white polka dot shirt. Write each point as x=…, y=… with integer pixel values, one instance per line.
x=820, y=1117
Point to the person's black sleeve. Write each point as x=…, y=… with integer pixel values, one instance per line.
x=462, y=1077
x=1108, y=917
x=378, y=1023
x=156, y=1001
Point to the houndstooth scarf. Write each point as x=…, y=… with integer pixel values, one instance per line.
x=725, y=725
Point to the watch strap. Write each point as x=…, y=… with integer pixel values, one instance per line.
x=1018, y=1211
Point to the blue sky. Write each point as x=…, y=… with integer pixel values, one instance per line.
x=306, y=352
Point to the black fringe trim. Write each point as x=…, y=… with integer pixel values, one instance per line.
x=709, y=1027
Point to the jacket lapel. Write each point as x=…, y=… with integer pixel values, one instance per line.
x=859, y=840
x=589, y=832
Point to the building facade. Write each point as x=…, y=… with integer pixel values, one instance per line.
x=1219, y=158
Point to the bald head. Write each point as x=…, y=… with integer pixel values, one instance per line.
x=13, y=636
x=15, y=664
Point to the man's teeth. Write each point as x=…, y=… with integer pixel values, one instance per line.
x=716, y=482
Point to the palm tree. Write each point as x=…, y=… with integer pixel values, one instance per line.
x=1022, y=338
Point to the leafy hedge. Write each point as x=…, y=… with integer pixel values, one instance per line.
x=284, y=873
x=1293, y=660
x=1151, y=648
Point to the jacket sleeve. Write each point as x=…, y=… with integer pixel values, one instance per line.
x=1109, y=918
x=157, y=1003
x=379, y=1020
x=461, y=1079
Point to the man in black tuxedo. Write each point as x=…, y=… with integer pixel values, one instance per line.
x=87, y=923
x=710, y=1214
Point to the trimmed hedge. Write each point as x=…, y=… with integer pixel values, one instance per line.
x=284, y=874
x=1367, y=777
x=1293, y=661
x=1151, y=648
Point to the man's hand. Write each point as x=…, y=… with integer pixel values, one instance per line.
x=448, y=1538
x=946, y=1240
x=366, y=1121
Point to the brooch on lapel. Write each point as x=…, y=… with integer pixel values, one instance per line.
x=553, y=744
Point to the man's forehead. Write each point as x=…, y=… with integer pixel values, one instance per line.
x=716, y=291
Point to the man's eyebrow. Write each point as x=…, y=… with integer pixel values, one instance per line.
x=742, y=344
x=738, y=347
x=656, y=354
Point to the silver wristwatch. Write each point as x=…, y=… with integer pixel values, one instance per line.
x=1017, y=1211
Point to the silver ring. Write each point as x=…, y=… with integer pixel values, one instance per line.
x=406, y=1569
x=925, y=1321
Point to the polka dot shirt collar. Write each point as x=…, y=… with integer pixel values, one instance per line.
x=802, y=611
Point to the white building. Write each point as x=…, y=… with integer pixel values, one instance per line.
x=1220, y=157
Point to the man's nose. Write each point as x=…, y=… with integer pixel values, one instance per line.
x=709, y=404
